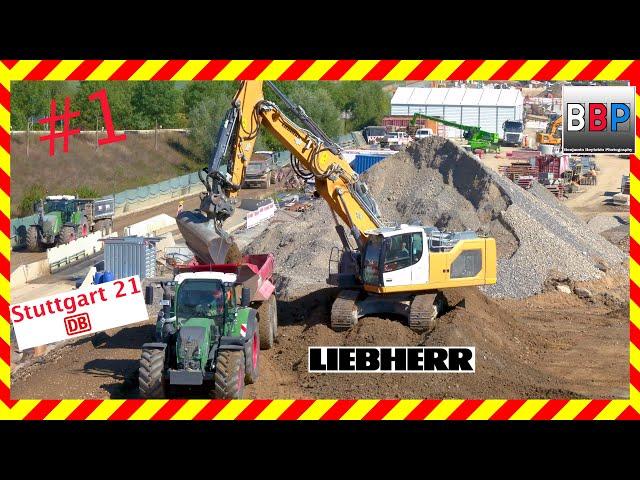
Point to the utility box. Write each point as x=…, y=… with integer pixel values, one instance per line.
x=129, y=256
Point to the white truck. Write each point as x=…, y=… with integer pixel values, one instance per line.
x=513, y=133
x=423, y=133
x=395, y=140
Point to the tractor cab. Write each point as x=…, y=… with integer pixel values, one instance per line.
x=205, y=295
x=65, y=204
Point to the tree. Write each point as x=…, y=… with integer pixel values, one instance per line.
x=366, y=101
x=31, y=99
x=315, y=100
x=204, y=122
x=197, y=92
x=119, y=97
x=155, y=102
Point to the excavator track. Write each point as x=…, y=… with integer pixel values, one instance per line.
x=344, y=312
x=424, y=311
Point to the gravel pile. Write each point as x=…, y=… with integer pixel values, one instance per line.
x=437, y=183
x=600, y=223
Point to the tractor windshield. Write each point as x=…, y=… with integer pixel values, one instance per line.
x=65, y=207
x=200, y=298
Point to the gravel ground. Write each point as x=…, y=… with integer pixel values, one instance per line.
x=437, y=183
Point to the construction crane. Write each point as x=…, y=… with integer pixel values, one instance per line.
x=553, y=134
x=478, y=139
x=391, y=269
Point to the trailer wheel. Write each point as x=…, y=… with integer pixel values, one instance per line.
x=252, y=358
x=33, y=243
x=150, y=373
x=229, y=376
x=267, y=318
x=67, y=234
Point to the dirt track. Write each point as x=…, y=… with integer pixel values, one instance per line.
x=550, y=345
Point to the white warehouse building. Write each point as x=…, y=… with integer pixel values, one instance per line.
x=487, y=108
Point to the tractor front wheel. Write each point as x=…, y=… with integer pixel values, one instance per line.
x=67, y=234
x=229, y=376
x=150, y=373
x=33, y=242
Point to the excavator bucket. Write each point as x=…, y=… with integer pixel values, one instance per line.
x=200, y=235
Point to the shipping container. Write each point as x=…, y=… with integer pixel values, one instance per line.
x=362, y=163
x=129, y=256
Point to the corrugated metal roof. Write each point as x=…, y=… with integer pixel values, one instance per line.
x=457, y=96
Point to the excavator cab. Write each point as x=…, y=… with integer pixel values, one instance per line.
x=394, y=258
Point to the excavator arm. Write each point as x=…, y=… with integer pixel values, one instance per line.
x=314, y=156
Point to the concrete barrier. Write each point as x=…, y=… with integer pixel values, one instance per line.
x=28, y=272
x=82, y=246
x=262, y=213
x=150, y=226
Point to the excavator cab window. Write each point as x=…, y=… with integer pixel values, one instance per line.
x=371, y=268
x=402, y=251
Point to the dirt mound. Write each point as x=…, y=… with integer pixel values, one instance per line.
x=508, y=352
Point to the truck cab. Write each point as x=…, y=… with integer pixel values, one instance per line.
x=374, y=134
x=513, y=132
x=259, y=170
x=423, y=133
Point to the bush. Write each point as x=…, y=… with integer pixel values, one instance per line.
x=85, y=192
x=34, y=193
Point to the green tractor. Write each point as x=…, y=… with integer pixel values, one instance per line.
x=205, y=337
x=63, y=218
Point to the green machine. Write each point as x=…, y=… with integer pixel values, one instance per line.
x=477, y=138
x=205, y=337
x=63, y=218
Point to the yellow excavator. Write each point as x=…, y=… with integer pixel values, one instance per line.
x=385, y=268
x=553, y=134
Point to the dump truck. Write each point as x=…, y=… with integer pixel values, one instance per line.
x=259, y=170
x=63, y=218
x=215, y=319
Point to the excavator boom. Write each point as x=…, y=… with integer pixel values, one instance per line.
x=315, y=155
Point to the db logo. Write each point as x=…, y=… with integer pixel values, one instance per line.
x=598, y=119
x=77, y=324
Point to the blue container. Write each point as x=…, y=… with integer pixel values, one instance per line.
x=364, y=162
x=98, y=278
x=108, y=277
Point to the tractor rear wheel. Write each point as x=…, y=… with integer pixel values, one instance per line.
x=33, y=242
x=252, y=359
x=150, y=373
x=229, y=376
x=268, y=322
x=67, y=234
